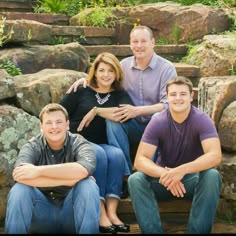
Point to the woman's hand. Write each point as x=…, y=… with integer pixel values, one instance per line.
x=76, y=84
x=87, y=120
x=124, y=112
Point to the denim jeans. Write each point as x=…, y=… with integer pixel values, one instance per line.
x=203, y=188
x=122, y=135
x=30, y=211
x=109, y=170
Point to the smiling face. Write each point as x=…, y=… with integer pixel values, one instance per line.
x=54, y=126
x=179, y=98
x=142, y=43
x=105, y=75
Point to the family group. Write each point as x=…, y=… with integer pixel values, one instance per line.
x=71, y=177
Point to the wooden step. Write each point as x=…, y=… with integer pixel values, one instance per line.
x=175, y=206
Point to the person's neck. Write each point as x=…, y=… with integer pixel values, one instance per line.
x=142, y=63
x=180, y=117
x=102, y=89
x=55, y=145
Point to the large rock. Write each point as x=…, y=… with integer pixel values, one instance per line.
x=32, y=59
x=217, y=97
x=227, y=127
x=169, y=21
x=16, y=128
x=215, y=94
x=215, y=55
x=6, y=85
x=34, y=91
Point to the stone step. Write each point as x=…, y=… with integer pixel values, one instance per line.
x=16, y=6
x=171, y=52
x=45, y=18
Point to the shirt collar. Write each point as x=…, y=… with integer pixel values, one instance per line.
x=152, y=63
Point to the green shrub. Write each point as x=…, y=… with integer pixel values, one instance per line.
x=97, y=17
x=10, y=67
x=51, y=6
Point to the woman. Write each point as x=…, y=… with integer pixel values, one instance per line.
x=88, y=110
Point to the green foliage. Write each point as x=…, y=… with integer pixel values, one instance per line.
x=232, y=70
x=10, y=67
x=4, y=37
x=98, y=17
x=176, y=34
x=162, y=41
x=51, y=6
x=57, y=40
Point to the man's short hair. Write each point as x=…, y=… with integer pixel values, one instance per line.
x=143, y=27
x=51, y=107
x=179, y=80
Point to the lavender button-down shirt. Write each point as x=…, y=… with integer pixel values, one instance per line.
x=148, y=86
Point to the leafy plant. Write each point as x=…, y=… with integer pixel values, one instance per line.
x=51, y=6
x=100, y=17
x=232, y=70
x=162, y=41
x=176, y=34
x=4, y=37
x=57, y=40
x=10, y=67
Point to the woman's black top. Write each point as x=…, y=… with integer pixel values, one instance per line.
x=79, y=103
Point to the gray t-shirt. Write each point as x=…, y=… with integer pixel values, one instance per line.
x=148, y=86
x=76, y=149
x=179, y=143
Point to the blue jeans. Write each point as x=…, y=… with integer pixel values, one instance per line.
x=29, y=210
x=203, y=188
x=109, y=170
x=122, y=135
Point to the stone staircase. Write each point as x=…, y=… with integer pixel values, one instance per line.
x=96, y=40
x=175, y=213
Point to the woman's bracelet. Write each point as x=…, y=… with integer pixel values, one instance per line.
x=96, y=112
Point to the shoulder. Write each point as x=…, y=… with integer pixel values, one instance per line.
x=33, y=145
x=196, y=113
x=159, y=119
x=75, y=139
x=165, y=68
x=202, y=122
x=127, y=61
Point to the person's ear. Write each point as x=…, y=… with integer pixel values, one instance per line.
x=192, y=94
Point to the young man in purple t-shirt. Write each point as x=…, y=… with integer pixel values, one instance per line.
x=189, y=150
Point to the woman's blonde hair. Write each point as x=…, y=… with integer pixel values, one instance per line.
x=110, y=59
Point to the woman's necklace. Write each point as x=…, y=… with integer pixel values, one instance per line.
x=102, y=100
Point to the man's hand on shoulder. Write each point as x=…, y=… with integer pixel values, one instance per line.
x=76, y=84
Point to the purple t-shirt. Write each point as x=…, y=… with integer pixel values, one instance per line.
x=179, y=143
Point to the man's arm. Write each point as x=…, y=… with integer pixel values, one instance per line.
x=143, y=160
x=50, y=175
x=144, y=163
x=126, y=112
x=212, y=157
